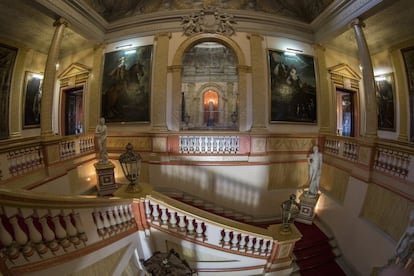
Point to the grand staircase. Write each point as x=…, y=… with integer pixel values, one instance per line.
x=315, y=253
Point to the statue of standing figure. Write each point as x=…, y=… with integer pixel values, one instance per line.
x=315, y=170
x=101, y=132
x=405, y=246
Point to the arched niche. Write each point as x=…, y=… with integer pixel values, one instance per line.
x=231, y=94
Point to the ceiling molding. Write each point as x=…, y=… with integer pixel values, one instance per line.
x=82, y=20
x=337, y=21
x=246, y=21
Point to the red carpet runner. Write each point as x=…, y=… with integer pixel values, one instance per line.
x=314, y=254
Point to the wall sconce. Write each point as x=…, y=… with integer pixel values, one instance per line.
x=131, y=165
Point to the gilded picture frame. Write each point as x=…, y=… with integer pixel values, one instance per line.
x=31, y=99
x=385, y=101
x=292, y=87
x=7, y=59
x=126, y=85
x=408, y=57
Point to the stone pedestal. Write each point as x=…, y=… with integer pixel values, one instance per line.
x=307, y=208
x=106, y=179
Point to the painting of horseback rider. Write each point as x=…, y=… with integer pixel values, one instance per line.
x=126, y=85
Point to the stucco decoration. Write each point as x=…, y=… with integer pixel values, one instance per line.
x=209, y=20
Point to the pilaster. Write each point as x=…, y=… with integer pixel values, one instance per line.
x=258, y=82
x=159, y=97
x=324, y=95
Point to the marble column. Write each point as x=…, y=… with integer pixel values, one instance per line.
x=260, y=106
x=49, y=79
x=371, y=117
x=159, y=102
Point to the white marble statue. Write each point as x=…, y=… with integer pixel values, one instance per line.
x=101, y=132
x=405, y=246
x=315, y=170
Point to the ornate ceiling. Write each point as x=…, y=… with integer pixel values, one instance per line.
x=301, y=10
x=92, y=22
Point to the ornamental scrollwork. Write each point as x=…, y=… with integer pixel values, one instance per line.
x=209, y=20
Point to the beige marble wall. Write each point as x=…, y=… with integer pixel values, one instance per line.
x=334, y=182
x=288, y=175
x=387, y=210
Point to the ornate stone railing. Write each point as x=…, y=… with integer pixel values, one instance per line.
x=36, y=228
x=393, y=161
x=24, y=160
x=199, y=144
x=390, y=158
x=214, y=231
x=26, y=156
x=71, y=147
x=342, y=147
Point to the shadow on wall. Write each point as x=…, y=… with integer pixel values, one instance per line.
x=243, y=189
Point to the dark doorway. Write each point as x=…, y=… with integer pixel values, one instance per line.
x=73, y=108
x=345, y=112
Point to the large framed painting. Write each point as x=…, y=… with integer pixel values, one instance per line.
x=32, y=98
x=385, y=101
x=7, y=59
x=408, y=57
x=292, y=87
x=126, y=85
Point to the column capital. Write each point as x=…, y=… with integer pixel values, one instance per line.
x=61, y=21
x=357, y=22
x=163, y=34
x=254, y=35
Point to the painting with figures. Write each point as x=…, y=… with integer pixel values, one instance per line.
x=126, y=85
x=292, y=87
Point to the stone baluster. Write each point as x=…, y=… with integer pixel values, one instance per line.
x=60, y=232
x=181, y=223
x=79, y=227
x=242, y=243
x=118, y=218
x=235, y=240
x=112, y=220
x=147, y=209
x=6, y=240
x=48, y=234
x=105, y=220
x=250, y=244
x=130, y=214
x=35, y=236
x=21, y=237
x=71, y=230
x=199, y=230
x=263, y=248
x=257, y=246
x=98, y=220
x=173, y=220
x=127, y=215
x=226, y=239
x=190, y=226
x=164, y=217
x=155, y=214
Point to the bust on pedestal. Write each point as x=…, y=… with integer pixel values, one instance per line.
x=104, y=168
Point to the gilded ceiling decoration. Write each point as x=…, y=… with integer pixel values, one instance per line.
x=301, y=10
